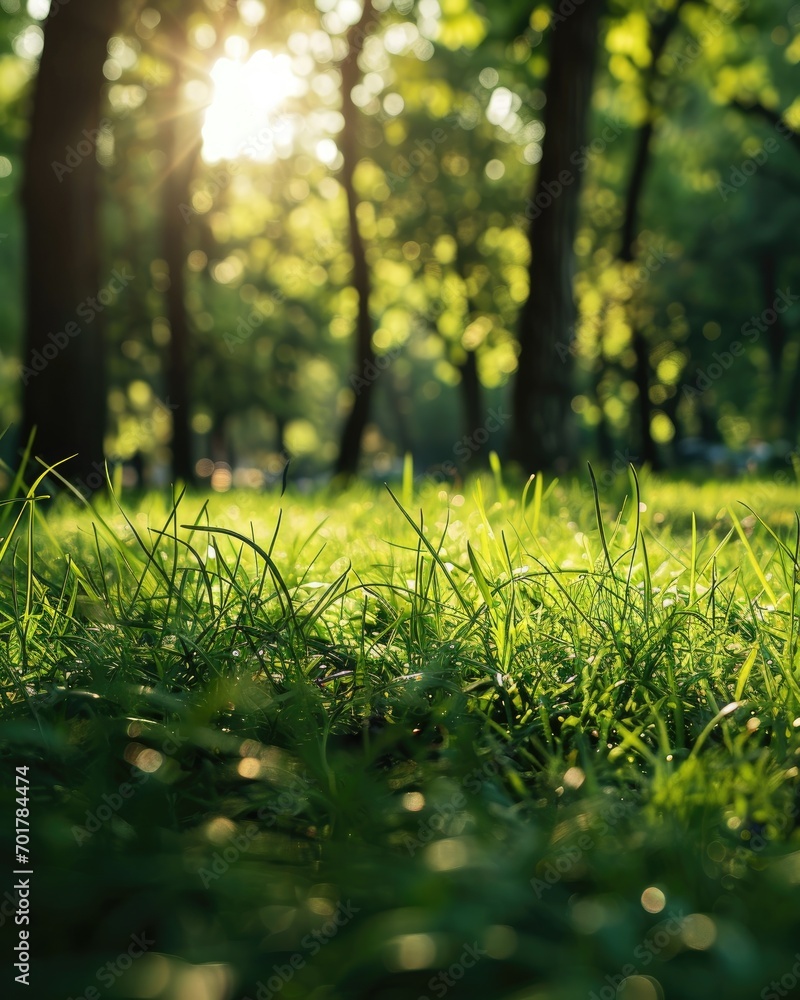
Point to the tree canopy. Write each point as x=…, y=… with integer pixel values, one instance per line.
x=237, y=150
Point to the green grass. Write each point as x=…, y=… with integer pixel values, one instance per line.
x=457, y=745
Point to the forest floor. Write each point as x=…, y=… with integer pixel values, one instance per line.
x=525, y=746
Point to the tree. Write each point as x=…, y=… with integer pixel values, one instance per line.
x=660, y=31
x=65, y=294
x=181, y=140
x=356, y=422
x=541, y=433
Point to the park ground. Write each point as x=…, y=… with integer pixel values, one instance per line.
x=527, y=742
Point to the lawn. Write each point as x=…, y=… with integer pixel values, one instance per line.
x=523, y=744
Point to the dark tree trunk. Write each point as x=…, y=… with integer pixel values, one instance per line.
x=792, y=410
x=471, y=394
x=649, y=452
x=627, y=253
x=791, y=413
x=181, y=141
x=659, y=35
x=356, y=422
x=603, y=438
x=471, y=388
x=400, y=406
x=641, y=161
x=777, y=333
x=65, y=397
x=542, y=433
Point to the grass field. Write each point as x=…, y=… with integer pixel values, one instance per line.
x=525, y=745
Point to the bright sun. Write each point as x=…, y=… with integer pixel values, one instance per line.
x=243, y=118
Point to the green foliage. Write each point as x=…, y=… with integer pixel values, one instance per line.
x=450, y=136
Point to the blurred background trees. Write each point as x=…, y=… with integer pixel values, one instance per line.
x=63, y=351
x=346, y=240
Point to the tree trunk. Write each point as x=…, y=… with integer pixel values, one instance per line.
x=777, y=334
x=356, y=422
x=542, y=434
x=399, y=402
x=659, y=35
x=471, y=394
x=63, y=373
x=471, y=388
x=181, y=141
x=649, y=452
x=627, y=253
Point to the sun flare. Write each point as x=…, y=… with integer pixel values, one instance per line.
x=244, y=117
